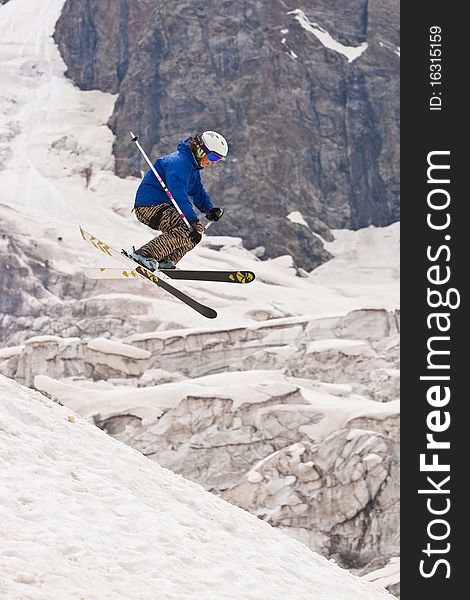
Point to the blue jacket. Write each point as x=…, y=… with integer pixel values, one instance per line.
x=180, y=172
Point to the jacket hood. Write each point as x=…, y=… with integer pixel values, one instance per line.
x=183, y=147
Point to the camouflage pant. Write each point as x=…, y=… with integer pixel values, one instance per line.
x=174, y=242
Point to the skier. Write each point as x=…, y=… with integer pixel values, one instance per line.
x=180, y=171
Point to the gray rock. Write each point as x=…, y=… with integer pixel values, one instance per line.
x=344, y=491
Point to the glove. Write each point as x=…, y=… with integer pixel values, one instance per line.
x=198, y=230
x=215, y=214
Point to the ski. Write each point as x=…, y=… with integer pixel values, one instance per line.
x=133, y=266
x=223, y=276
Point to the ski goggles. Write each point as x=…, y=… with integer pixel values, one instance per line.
x=211, y=155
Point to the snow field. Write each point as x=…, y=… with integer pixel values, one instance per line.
x=84, y=516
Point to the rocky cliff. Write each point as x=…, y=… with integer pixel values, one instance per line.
x=307, y=97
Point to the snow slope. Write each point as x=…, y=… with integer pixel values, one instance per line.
x=84, y=516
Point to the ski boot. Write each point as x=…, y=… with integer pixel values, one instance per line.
x=166, y=264
x=145, y=261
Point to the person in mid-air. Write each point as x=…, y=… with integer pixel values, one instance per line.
x=180, y=171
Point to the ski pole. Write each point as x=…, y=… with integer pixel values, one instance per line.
x=135, y=139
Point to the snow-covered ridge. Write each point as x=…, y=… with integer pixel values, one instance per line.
x=116, y=525
x=295, y=344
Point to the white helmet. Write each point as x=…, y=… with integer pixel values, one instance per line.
x=211, y=141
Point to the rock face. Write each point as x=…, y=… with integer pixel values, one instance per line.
x=325, y=494
x=308, y=102
x=335, y=350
